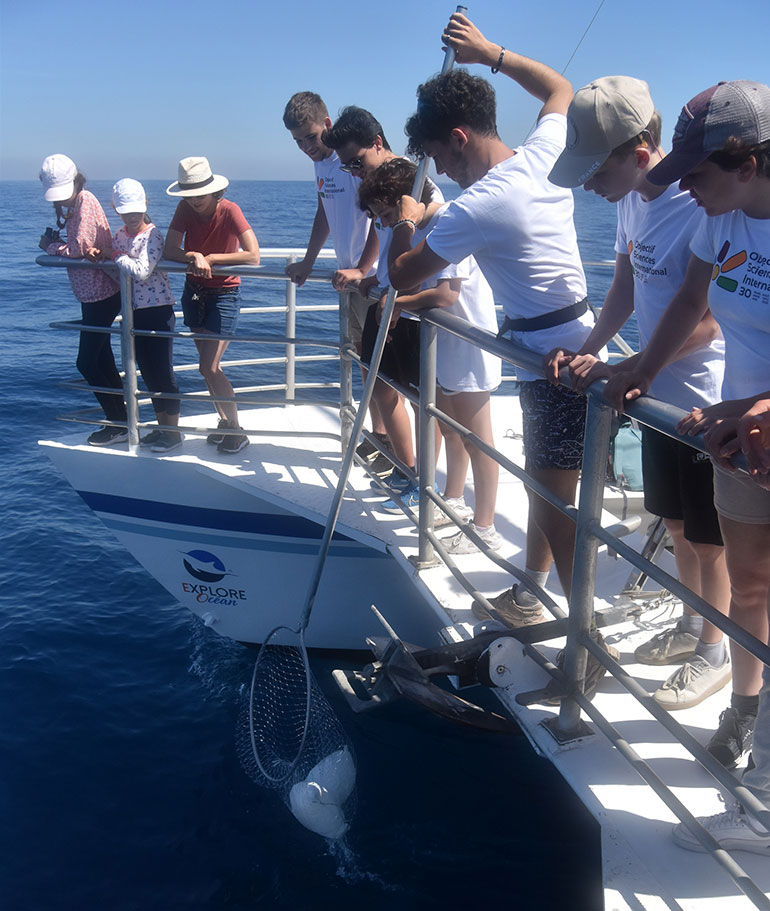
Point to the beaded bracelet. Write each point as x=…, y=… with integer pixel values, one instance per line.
x=496, y=67
x=405, y=221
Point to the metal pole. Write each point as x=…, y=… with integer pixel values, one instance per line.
x=128, y=356
x=426, y=439
x=581, y=602
x=346, y=372
x=291, y=326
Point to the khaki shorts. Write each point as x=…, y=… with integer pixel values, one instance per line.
x=738, y=498
x=357, y=311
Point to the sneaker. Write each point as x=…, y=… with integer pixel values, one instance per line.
x=108, y=436
x=410, y=498
x=381, y=466
x=367, y=451
x=669, y=647
x=693, y=682
x=594, y=672
x=733, y=738
x=233, y=442
x=168, y=440
x=462, y=544
x=152, y=437
x=398, y=482
x=512, y=613
x=734, y=830
x=218, y=435
x=441, y=519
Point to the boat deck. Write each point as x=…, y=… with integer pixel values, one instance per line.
x=296, y=460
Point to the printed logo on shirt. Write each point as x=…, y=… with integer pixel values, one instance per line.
x=327, y=187
x=644, y=262
x=755, y=281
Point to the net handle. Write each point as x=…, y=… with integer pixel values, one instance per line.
x=374, y=366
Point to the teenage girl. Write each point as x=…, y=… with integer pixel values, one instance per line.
x=207, y=231
x=137, y=247
x=86, y=225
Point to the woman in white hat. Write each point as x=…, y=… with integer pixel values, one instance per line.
x=207, y=231
x=86, y=225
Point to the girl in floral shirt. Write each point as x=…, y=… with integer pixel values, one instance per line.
x=137, y=247
x=99, y=295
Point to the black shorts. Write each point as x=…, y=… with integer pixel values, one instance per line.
x=554, y=420
x=401, y=356
x=679, y=484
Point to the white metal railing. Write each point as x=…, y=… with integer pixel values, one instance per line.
x=589, y=531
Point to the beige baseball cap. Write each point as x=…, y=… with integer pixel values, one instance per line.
x=602, y=116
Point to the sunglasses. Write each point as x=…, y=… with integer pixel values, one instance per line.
x=355, y=164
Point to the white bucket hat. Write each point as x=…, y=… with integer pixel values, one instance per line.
x=57, y=175
x=128, y=196
x=196, y=179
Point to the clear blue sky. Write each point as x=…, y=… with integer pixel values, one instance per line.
x=128, y=89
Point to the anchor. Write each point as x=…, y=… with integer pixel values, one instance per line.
x=405, y=671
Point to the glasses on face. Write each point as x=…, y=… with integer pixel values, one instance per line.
x=355, y=164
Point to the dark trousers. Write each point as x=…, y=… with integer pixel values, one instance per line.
x=95, y=361
x=155, y=355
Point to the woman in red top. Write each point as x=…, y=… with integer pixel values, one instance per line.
x=207, y=231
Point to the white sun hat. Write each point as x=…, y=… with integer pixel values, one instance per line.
x=57, y=175
x=128, y=196
x=196, y=179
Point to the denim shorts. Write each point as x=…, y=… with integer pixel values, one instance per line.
x=214, y=309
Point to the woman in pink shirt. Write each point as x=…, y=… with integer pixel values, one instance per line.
x=86, y=225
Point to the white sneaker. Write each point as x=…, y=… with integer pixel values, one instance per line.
x=669, y=647
x=440, y=518
x=734, y=830
x=462, y=544
x=693, y=682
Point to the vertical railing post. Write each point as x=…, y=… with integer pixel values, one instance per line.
x=426, y=438
x=346, y=372
x=581, y=602
x=291, y=328
x=128, y=357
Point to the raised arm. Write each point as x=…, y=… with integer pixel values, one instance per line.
x=470, y=46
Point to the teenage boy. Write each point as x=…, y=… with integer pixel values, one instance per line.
x=617, y=144
x=519, y=228
x=359, y=141
x=355, y=240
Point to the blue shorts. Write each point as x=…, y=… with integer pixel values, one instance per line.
x=554, y=425
x=214, y=309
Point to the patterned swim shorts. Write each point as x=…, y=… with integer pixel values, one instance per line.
x=554, y=425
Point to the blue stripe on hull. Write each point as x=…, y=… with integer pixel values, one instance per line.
x=274, y=524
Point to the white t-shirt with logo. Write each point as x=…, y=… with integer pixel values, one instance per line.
x=739, y=296
x=519, y=227
x=656, y=236
x=348, y=225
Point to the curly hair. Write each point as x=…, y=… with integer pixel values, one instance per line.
x=354, y=125
x=735, y=153
x=392, y=180
x=452, y=100
x=303, y=108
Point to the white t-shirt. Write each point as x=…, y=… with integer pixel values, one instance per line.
x=460, y=366
x=739, y=296
x=348, y=225
x=519, y=227
x=656, y=236
x=384, y=236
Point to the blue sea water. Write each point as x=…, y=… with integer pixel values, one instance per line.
x=120, y=782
